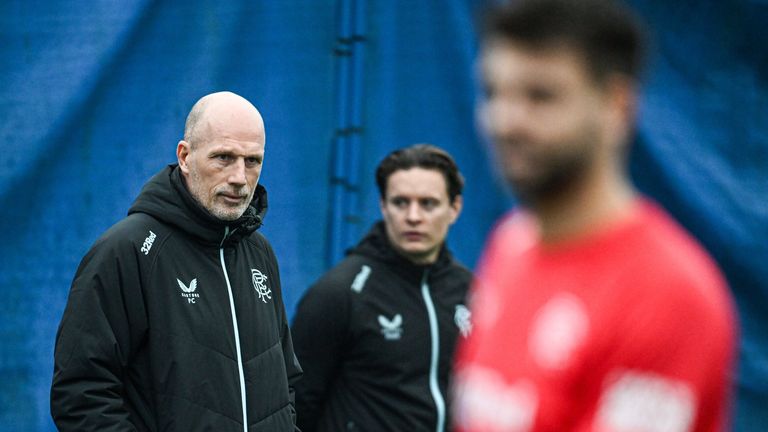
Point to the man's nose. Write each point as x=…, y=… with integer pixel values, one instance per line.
x=413, y=213
x=237, y=173
x=504, y=118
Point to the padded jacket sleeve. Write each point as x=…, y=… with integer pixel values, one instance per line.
x=103, y=324
x=319, y=330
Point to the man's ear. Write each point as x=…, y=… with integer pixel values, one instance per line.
x=382, y=205
x=182, y=153
x=456, y=206
x=621, y=93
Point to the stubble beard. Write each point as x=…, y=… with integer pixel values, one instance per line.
x=561, y=172
x=208, y=199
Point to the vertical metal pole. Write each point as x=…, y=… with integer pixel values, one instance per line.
x=346, y=153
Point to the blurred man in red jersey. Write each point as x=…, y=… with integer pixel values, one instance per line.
x=593, y=310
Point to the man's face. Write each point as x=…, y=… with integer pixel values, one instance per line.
x=417, y=213
x=223, y=169
x=545, y=115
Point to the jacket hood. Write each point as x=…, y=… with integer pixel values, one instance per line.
x=376, y=245
x=166, y=198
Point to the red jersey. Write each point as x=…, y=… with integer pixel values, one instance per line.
x=630, y=328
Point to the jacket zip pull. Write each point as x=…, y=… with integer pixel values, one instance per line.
x=223, y=239
x=239, y=354
x=434, y=387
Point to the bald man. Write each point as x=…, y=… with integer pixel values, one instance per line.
x=175, y=319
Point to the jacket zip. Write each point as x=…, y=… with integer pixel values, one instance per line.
x=433, y=329
x=237, y=332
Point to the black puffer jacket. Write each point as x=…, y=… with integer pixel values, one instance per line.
x=168, y=311
x=376, y=336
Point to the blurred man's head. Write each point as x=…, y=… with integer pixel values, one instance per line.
x=420, y=190
x=222, y=152
x=559, y=79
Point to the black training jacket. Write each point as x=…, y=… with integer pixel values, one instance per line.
x=149, y=339
x=375, y=336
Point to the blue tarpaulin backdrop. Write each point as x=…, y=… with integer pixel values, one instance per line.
x=93, y=97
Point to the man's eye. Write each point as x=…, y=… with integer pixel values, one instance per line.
x=429, y=204
x=541, y=95
x=252, y=161
x=399, y=202
x=223, y=157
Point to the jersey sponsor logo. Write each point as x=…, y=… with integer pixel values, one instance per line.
x=391, y=328
x=463, y=319
x=643, y=401
x=260, y=286
x=557, y=330
x=486, y=402
x=188, y=292
x=361, y=278
x=148, y=243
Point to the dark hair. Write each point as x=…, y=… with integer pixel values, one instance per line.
x=608, y=34
x=424, y=156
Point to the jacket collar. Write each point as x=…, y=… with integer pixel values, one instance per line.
x=376, y=245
